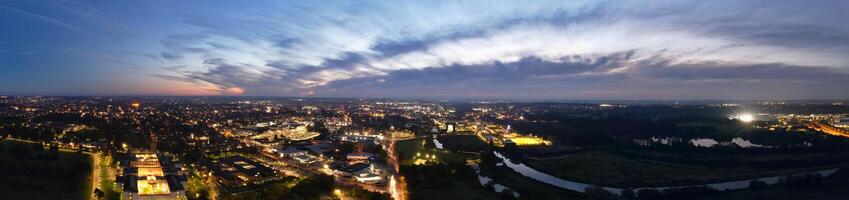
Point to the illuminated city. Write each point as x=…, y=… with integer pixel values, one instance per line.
x=418, y=100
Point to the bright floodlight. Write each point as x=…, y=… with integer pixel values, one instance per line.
x=746, y=117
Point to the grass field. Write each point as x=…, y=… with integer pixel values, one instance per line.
x=721, y=128
x=466, y=143
x=527, y=188
x=407, y=149
x=618, y=171
x=421, y=148
x=17, y=180
x=778, y=192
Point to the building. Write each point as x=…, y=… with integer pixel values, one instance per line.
x=234, y=171
x=290, y=152
x=370, y=178
x=151, y=176
x=362, y=172
x=353, y=170
x=359, y=157
x=305, y=159
x=842, y=123
x=450, y=128
x=375, y=139
x=319, y=148
x=290, y=131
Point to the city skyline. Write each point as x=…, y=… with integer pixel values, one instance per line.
x=495, y=50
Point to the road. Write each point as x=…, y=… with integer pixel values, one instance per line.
x=95, y=174
x=828, y=129
x=397, y=185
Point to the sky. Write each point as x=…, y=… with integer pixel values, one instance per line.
x=771, y=49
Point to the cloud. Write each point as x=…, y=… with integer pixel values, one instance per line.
x=597, y=77
x=388, y=48
x=170, y=56
x=234, y=91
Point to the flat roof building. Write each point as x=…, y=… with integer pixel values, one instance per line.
x=151, y=176
x=234, y=171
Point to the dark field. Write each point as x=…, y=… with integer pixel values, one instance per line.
x=28, y=173
x=619, y=171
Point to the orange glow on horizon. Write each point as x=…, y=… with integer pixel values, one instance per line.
x=234, y=90
x=182, y=88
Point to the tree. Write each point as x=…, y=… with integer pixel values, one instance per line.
x=598, y=193
x=98, y=193
x=507, y=194
x=757, y=184
x=648, y=194
x=805, y=181
x=313, y=187
x=627, y=193
x=278, y=191
x=38, y=147
x=360, y=193
x=688, y=191
x=488, y=158
x=20, y=151
x=841, y=174
x=54, y=152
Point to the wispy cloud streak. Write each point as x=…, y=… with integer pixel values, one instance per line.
x=43, y=18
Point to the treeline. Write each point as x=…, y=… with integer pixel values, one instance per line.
x=777, y=141
x=359, y=193
x=593, y=128
x=313, y=187
x=599, y=127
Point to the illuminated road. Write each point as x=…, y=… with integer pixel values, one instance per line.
x=95, y=174
x=397, y=186
x=98, y=169
x=828, y=129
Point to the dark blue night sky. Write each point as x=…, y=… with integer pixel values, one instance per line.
x=450, y=49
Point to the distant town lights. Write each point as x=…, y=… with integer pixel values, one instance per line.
x=746, y=117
